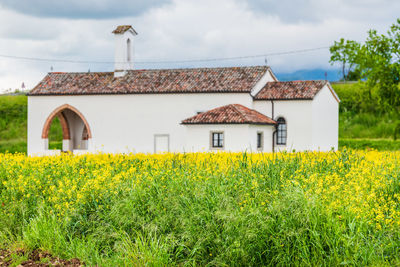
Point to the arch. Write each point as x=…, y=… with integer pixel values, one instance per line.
x=64, y=123
x=281, y=131
x=64, y=126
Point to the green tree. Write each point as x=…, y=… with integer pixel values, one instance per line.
x=345, y=52
x=377, y=61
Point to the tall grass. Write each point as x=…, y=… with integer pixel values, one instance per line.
x=365, y=125
x=205, y=209
x=13, y=110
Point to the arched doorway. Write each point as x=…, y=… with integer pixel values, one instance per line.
x=75, y=129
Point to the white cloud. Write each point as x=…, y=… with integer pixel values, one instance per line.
x=189, y=29
x=99, y=9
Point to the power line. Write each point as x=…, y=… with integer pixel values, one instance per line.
x=166, y=61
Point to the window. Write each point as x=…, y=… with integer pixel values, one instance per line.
x=260, y=140
x=281, y=132
x=217, y=140
x=128, y=50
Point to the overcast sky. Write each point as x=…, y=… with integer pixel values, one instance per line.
x=179, y=30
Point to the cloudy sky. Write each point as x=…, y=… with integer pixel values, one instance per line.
x=173, y=30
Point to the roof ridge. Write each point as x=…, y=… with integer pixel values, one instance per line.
x=206, y=68
x=240, y=112
x=159, y=69
x=298, y=81
x=230, y=114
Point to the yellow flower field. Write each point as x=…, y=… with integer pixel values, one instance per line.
x=174, y=197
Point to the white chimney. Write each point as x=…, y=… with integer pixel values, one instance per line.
x=124, y=51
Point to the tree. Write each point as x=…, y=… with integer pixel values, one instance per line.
x=345, y=52
x=377, y=61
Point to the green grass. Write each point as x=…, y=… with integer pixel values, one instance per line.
x=365, y=125
x=13, y=110
x=12, y=146
x=13, y=125
x=195, y=210
x=378, y=144
x=354, y=124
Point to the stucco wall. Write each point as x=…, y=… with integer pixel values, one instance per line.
x=325, y=121
x=128, y=123
x=267, y=131
x=237, y=137
x=121, y=51
x=298, y=116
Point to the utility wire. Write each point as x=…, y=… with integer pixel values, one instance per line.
x=165, y=61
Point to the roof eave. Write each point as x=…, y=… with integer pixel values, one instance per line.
x=283, y=99
x=219, y=123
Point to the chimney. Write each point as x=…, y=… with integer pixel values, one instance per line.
x=124, y=51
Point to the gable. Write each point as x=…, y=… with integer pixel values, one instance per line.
x=269, y=76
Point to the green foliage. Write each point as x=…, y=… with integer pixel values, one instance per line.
x=396, y=131
x=13, y=112
x=55, y=135
x=345, y=52
x=353, y=97
x=378, y=63
x=378, y=144
x=357, y=118
x=12, y=146
x=13, y=125
x=183, y=214
x=365, y=125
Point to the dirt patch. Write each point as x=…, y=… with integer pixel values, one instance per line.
x=35, y=258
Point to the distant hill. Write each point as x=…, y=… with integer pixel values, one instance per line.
x=313, y=74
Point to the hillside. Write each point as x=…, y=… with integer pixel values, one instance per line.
x=13, y=125
x=356, y=130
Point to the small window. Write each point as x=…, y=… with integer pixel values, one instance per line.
x=217, y=140
x=260, y=140
x=128, y=50
x=281, y=132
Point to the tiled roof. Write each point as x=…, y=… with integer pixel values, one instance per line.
x=196, y=80
x=290, y=90
x=230, y=114
x=123, y=28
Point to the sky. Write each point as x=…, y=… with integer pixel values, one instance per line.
x=174, y=30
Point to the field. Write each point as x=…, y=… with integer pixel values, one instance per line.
x=222, y=209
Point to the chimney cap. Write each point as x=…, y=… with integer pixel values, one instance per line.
x=124, y=28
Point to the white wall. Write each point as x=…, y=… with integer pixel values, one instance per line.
x=298, y=116
x=325, y=121
x=267, y=77
x=128, y=123
x=121, y=51
x=237, y=137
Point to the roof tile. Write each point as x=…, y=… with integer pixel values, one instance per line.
x=196, y=80
x=290, y=90
x=122, y=29
x=230, y=114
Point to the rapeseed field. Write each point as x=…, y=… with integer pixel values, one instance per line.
x=215, y=209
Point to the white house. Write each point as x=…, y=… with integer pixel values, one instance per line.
x=180, y=110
